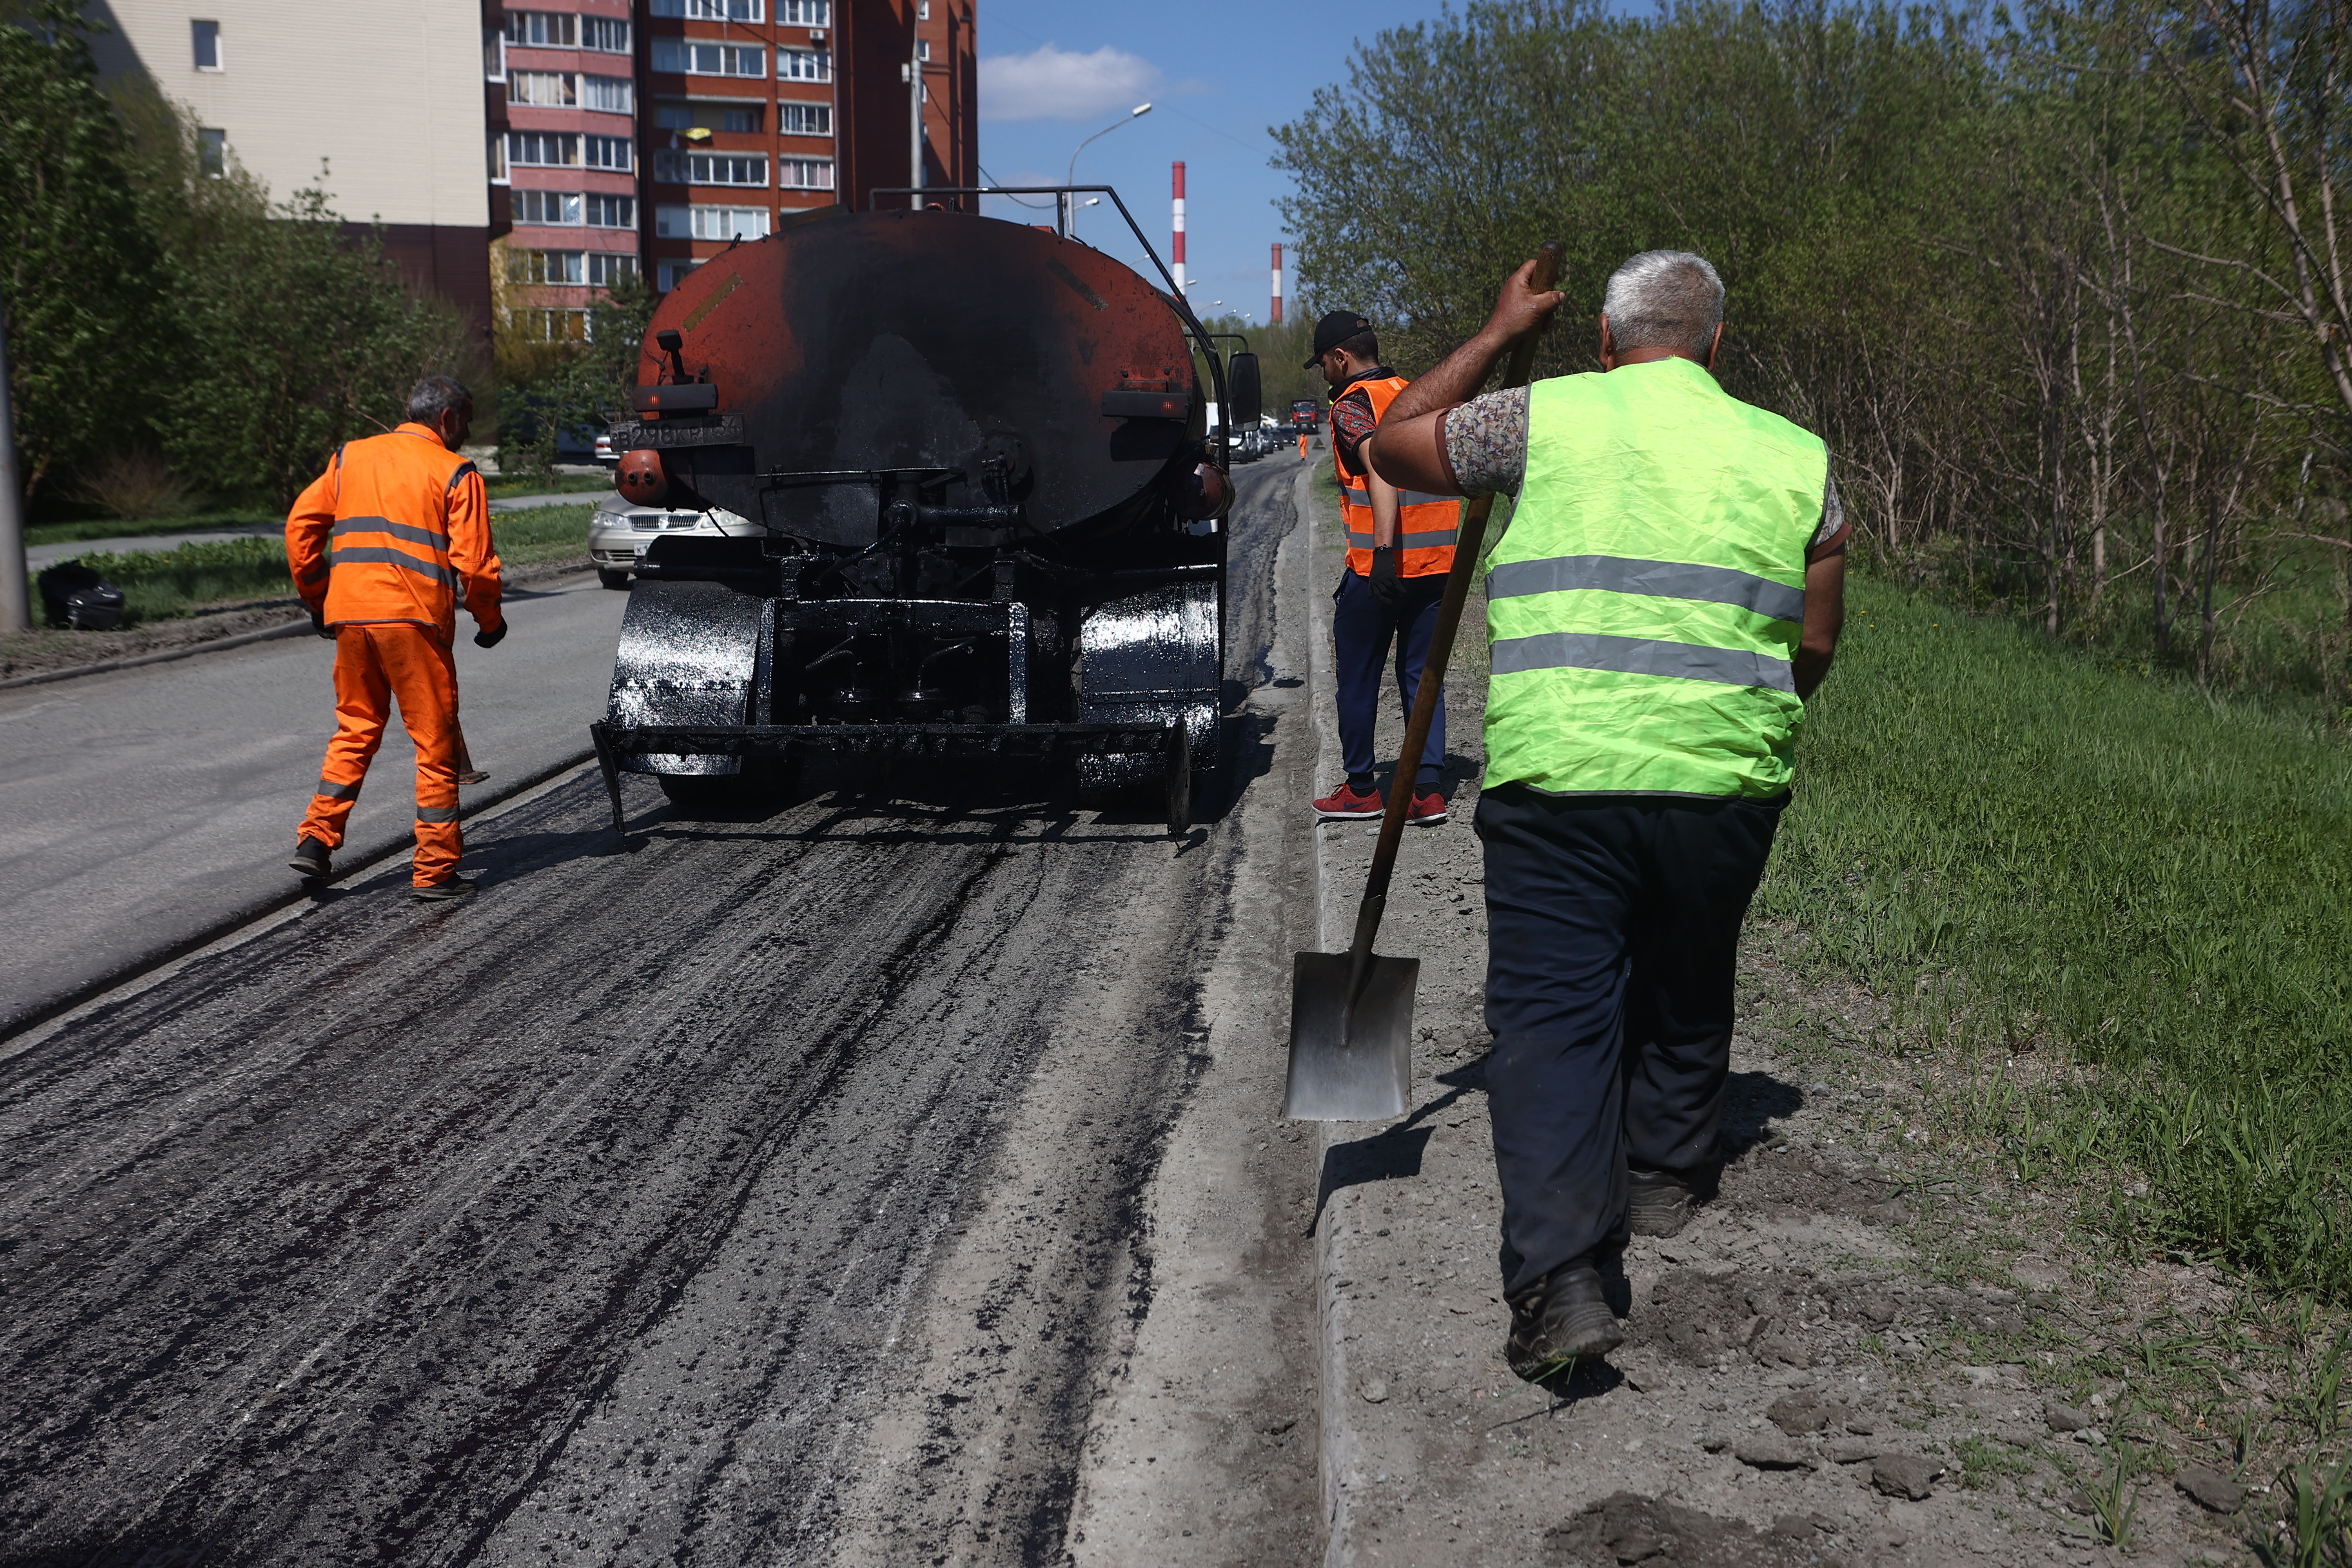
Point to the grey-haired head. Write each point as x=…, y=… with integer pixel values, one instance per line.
x=436, y=396
x=1668, y=299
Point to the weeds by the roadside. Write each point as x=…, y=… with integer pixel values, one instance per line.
x=2317, y=1528
x=2114, y=1507
x=2126, y=903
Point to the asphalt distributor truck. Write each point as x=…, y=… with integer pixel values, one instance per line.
x=987, y=513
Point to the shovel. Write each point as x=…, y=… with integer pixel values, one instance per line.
x=1351, y=1012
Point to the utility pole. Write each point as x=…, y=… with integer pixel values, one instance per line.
x=1276, y=317
x=15, y=600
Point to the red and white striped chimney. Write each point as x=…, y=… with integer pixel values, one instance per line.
x=1277, y=283
x=1177, y=264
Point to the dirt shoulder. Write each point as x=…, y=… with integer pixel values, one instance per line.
x=1871, y=1346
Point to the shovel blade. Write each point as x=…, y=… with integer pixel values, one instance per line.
x=1350, y=1057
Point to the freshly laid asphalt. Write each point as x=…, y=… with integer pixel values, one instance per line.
x=145, y=805
x=767, y=1190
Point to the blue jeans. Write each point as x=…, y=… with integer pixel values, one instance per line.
x=1613, y=928
x=1362, y=629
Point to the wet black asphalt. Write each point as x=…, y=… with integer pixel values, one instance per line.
x=582, y=1223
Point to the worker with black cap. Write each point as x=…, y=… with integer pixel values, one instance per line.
x=1400, y=548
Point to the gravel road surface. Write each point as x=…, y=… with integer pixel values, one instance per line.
x=775, y=1189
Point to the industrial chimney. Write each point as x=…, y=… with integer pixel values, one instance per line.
x=1277, y=283
x=1178, y=246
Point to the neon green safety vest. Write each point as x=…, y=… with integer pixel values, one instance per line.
x=1644, y=605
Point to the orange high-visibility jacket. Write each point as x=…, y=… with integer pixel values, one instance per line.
x=1425, y=523
x=410, y=530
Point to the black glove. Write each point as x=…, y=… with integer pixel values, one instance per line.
x=492, y=638
x=1388, y=587
x=318, y=624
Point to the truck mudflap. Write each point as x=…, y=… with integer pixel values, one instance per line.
x=1163, y=746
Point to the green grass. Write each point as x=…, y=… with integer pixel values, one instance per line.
x=159, y=585
x=2039, y=857
x=553, y=485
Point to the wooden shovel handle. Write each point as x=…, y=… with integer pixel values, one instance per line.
x=1469, y=543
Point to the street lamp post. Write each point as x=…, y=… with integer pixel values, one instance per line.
x=15, y=600
x=1069, y=208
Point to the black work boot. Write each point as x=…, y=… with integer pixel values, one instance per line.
x=448, y=888
x=309, y=860
x=1657, y=1202
x=1564, y=1318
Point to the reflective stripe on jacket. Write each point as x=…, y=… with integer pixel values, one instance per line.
x=397, y=529
x=1644, y=606
x=1425, y=523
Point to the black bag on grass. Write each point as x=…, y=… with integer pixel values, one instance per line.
x=81, y=598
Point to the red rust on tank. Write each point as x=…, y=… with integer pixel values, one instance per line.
x=639, y=476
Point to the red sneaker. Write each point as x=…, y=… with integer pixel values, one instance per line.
x=1344, y=803
x=1428, y=810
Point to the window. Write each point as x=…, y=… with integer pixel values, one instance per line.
x=680, y=117
x=804, y=13
x=712, y=169
x=563, y=207
x=615, y=152
x=545, y=266
x=547, y=89
x=922, y=48
x=546, y=326
x=604, y=35
x=710, y=223
x=923, y=14
x=668, y=274
x=610, y=94
x=695, y=57
x=804, y=64
x=804, y=119
x=547, y=149
x=207, y=43
x=544, y=29
x=612, y=212
x=494, y=54
x=708, y=10
x=497, y=158
x=607, y=267
x=212, y=152
x=804, y=174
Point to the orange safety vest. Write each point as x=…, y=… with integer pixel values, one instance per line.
x=408, y=524
x=1425, y=523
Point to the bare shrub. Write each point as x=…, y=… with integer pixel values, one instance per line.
x=134, y=484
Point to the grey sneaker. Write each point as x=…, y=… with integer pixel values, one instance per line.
x=1563, y=1319
x=309, y=860
x=1657, y=1202
x=442, y=891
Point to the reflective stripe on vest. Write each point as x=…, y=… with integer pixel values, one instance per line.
x=1644, y=608
x=1426, y=524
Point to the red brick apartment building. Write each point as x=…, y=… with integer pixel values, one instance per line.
x=653, y=133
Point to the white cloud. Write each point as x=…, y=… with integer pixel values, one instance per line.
x=1048, y=83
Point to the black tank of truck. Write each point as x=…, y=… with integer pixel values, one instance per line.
x=988, y=518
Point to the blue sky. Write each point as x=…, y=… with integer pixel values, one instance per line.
x=1217, y=73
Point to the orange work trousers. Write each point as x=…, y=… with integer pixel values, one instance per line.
x=377, y=665
x=1302, y=449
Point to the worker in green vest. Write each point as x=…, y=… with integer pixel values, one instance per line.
x=1668, y=592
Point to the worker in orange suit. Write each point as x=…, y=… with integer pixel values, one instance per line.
x=409, y=527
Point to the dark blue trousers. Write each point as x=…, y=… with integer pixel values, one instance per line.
x=1612, y=933
x=1361, y=630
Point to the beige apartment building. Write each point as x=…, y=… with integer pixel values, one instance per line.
x=380, y=103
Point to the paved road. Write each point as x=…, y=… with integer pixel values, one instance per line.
x=145, y=805
x=37, y=556
x=766, y=1192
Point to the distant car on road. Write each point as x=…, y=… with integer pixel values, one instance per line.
x=620, y=530
x=606, y=452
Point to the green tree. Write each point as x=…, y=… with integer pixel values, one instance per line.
x=79, y=270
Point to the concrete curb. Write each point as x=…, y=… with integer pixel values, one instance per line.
x=522, y=579
x=1332, y=930
x=165, y=655
x=49, y=1007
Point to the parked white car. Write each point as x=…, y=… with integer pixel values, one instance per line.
x=619, y=530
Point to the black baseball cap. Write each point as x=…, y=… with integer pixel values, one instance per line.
x=1333, y=330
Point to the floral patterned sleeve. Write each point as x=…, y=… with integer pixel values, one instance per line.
x=1487, y=442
